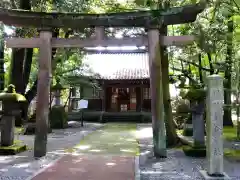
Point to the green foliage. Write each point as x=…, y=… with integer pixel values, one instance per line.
x=58, y=117
x=195, y=94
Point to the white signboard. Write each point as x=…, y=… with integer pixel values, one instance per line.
x=83, y=104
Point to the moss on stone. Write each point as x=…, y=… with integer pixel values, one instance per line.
x=16, y=148
x=58, y=117
x=11, y=95
x=194, y=151
x=195, y=94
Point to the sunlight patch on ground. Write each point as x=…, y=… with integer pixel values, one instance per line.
x=114, y=138
x=126, y=150
x=21, y=165
x=110, y=164
x=144, y=133
x=95, y=150
x=82, y=147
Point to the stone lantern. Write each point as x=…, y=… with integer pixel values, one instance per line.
x=58, y=116
x=57, y=90
x=10, y=101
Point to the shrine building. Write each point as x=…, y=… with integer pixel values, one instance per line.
x=124, y=83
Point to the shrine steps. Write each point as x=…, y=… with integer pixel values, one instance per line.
x=98, y=116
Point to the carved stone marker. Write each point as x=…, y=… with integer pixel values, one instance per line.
x=214, y=145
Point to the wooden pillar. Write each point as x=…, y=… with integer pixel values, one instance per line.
x=157, y=108
x=73, y=100
x=139, y=98
x=100, y=34
x=43, y=92
x=104, y=97
x=81, y=91
x=108, y=97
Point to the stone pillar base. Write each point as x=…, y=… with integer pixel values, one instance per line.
x=205, y=175
x=7, y=130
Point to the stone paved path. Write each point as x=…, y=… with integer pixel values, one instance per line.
x=108, y=153
x=90, y=167
x=23, y=166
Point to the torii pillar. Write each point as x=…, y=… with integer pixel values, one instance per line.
x=157, y=106
x=43, y=92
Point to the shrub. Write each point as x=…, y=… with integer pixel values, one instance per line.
x=58, y=117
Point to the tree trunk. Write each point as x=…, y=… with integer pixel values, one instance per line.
x=2, y=73
x=172, y=138
x=20, y=65
x=27, y=68
x=18, y=56
x=227, y=117
x=200, y=68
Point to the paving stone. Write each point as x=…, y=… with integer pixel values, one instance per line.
x=24, y=165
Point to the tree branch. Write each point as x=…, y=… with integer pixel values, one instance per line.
x=194, y=64
x=13, y=4
x=184, y=74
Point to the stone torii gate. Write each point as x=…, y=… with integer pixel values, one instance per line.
x=150, y=20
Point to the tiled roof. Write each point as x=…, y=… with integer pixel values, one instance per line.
x=119, y=66
x=129, y=74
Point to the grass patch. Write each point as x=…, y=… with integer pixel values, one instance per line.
x=19, y=130
x=113, y=138
x=180, y=131
x=230, y=133
x=16, y=148
x=232, y=154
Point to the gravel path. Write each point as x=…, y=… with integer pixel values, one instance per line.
x=24, y=165
x=177, y=166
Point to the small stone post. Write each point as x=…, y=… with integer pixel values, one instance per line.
x=198, y=125
x=57, y=98
x=57, y=93
x=8, y=125
x=214, y=145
